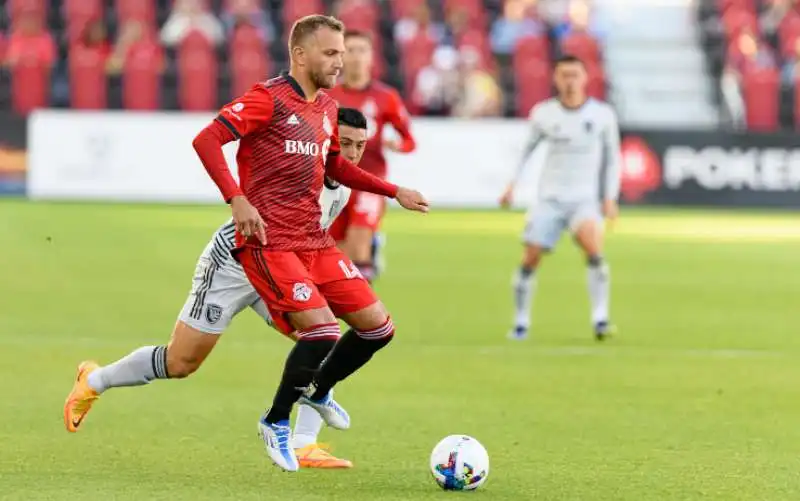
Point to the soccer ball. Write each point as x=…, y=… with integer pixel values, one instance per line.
x=459, y=463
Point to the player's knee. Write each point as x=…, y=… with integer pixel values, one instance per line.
x=370, y=318
x=531, y=257
x=181, y=365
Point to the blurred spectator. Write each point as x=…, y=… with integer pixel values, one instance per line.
x=480, y=95
x=93, y=37
x=437, y=87
x=579, y=19
x=133, y=41
x=518, y=21
x=791, y=68
x=456, y=24
x=771, y=19
x=749, y=53
x=188, y=16
x=553, y=12
x=31, y=42
x=248, y=13
x=421, y=24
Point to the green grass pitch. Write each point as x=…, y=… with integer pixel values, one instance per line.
x=696, y=399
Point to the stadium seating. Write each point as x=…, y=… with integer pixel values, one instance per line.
x=141, y=79
x=769, y=103
x=87, y=77
x=249, y=59
x=197, y=73
x=760, y=91
x=188, y=76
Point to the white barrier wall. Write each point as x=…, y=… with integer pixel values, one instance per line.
x=124, y=156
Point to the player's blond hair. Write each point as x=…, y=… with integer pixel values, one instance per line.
x=308, y=25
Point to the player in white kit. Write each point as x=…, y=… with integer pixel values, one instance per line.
x=220, y=291
x=578, y=187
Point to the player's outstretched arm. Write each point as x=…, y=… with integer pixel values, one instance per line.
x=343, y=171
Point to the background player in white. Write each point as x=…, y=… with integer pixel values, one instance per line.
x=578, y=186
x=220, y=290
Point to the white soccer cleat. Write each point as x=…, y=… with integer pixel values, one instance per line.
x=277, y=440
x=332, y=413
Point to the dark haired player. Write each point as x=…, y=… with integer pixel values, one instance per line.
x=289, y=142
x=220, y=291
x=356, y=230
x=578, y=188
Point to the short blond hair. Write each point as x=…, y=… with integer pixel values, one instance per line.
x=309, y=25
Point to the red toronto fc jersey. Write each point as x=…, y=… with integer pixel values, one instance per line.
x=381, y=104
x=284, y=144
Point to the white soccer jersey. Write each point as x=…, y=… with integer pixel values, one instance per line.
x=582, y=161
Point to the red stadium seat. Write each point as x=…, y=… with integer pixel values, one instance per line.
x=788, y=33
x=136, y=10
x=30, y=85
x=17, y=8
x=360, y=15
x=532, y=84
x=141, y=79
x=532, y=48
x=723, y=5
x=416, y=54
x=596, y=87
x=480, y=42
x=248, y=60
x=405, y=8
x=295, y=9
x=760, y=89
x=87, y=77
x=77, y=14
x=583, y=46
x=736, y=20
x=197, y=73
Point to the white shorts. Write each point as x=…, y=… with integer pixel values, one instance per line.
x=218, y=294
x=548, y=219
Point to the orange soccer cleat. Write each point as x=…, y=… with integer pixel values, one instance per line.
x=80, y=399
x=318, y=456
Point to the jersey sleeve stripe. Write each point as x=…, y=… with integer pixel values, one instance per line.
x=227, y=123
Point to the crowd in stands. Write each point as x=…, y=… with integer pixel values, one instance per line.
x=761, y=47
x=467, y=58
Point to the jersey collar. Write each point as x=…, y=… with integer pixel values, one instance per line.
x=295, y=85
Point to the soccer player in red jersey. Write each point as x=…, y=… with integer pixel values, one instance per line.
x=356, y=228
x=289, y=142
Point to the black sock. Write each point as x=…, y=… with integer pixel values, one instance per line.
x=298, y=372
x=351, y=353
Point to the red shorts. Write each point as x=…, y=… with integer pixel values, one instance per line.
x=305, y=280
x=364, y=210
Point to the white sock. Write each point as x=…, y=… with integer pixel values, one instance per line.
x=599, y=280
x=135, y=369
x=524, y=287
x=307, y=427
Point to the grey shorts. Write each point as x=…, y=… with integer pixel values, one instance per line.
x=548, y=219
x=218, y=294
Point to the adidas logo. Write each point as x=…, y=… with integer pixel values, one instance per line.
x=293, y=120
